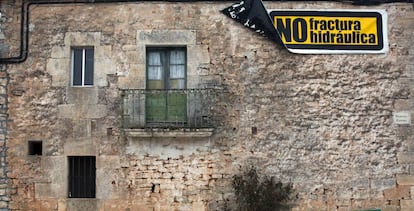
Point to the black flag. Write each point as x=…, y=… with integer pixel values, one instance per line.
x=252, y=14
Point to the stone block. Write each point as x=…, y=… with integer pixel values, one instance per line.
x=3, y=204
x=405, y=179
x=132, y=56
x=198, y=206
x=381, y=184
x=390, y=208
x=82, y=128
x=165, y=208
x=80, y=147
x=56, y=175
x=410, y=143
x=117, y=204
x=405, y=157
x=60, y=52
x=3, y=191
x=59, y=70
x=4, y=48
x=343, y=209
x=142, y=54
x=410, y=69
x=66, y=111
x=82, y=95
x=73, y=111
x=110, y=162
x=361, y=194
x=403, y=105
x=93, y=112
x=193, y=81
x=82, y=39
x=407, y=205
x=103, y=52
x=198, y=54
x=142, y=207
x=104, y=66
x=106, y=181
x=48, y=204
x=399, y=192
x=13, y=205
x=61, y=205
x=166, y=37
x=135, y=79
x=129, y=47
x=82, y=204
x=43, y=190
x=360, y=183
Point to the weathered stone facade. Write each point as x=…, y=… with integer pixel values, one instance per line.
x=5, y=186
x=324, y=122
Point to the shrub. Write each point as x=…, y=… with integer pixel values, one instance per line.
x=255, y=193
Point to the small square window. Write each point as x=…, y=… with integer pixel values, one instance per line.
x=82, y=66
x=35, y=147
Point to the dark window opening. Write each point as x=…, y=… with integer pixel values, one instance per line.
x=82, y=177
x=254, y=130
x=82, y=66
x=35, y=147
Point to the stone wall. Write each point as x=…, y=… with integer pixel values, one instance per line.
x=4, y=181
x=322, y=122
x=4, y=81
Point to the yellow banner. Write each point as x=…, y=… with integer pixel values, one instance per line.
x=348, y=31
x=327, y=30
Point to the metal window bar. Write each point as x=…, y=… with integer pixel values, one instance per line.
x=139, y=110
x=82, y=177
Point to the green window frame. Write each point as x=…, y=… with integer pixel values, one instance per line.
x=166, y=73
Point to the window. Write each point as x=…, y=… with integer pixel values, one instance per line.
x=1, y=27
x=82, y=174
x=35, y=147
x=82, y=66
x=166, y=100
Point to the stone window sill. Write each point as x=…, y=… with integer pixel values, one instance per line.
x=169, y=133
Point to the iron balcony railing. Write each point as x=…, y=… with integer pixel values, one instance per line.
x=181, y=108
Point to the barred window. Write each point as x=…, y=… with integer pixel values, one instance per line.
x=82, y=177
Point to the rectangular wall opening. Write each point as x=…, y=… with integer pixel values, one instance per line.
x=35, y=147
x=82, y=176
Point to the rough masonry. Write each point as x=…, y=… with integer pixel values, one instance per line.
x=5, y=191
x=322, y=122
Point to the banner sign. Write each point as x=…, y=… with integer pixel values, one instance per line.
x=316, y=31
x=332, y=31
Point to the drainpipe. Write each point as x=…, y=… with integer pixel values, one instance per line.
x=25, y=17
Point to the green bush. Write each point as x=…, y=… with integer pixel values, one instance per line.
x=255, y=193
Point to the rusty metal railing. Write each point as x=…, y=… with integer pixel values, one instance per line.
x=180, y=108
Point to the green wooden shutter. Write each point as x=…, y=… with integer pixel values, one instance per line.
x=177, y=106
x=156, y=110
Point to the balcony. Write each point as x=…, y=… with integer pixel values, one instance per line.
x=168, y=113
